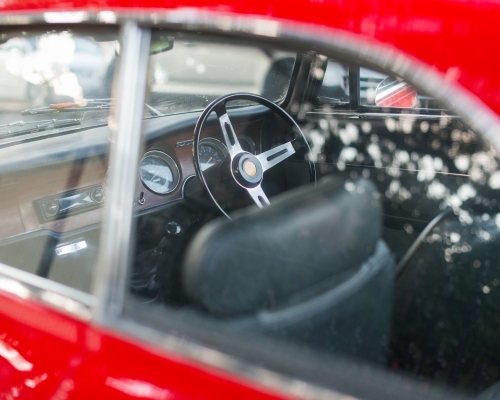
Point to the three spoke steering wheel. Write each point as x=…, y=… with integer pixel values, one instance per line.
x=246, y=169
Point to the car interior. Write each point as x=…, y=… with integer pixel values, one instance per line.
x=280, y=192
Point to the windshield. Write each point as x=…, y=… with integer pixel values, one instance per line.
x=48, y=69
x=195, y=72
x=53, y=83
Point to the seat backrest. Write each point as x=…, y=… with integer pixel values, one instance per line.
x=309, y=240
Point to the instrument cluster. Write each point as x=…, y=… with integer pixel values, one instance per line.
x=160, y=174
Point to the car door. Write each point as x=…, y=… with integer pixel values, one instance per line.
x=116, y=327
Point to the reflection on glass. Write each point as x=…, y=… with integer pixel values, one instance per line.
x=44, y=75
x=393, y=92
x=50, y=81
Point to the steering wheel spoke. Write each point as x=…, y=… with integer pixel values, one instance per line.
x=270, y=158
x=259, y=196
x=232, y=143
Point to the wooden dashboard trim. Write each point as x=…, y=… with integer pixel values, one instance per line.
x=18, y=191
x=183, y=156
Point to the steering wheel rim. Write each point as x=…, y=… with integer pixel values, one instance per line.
x=241, y=160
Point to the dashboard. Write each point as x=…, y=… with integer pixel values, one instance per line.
x=62, y=186
x=52, y=191
x=167, y=164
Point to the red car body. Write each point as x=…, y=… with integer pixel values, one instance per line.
x=45, y=354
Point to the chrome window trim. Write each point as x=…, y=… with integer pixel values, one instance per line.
x=328, y=41
x=116, y=246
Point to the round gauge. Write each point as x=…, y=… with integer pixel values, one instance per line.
x=247, y=144
x=158, y=172
x=211, y=151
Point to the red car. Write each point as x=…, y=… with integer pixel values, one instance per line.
x=249, y=200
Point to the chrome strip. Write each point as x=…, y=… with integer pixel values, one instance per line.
x=372, y=115
x=53, y=294
x=116, y=246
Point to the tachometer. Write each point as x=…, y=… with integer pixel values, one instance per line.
x=211, y=151
x=159, y=172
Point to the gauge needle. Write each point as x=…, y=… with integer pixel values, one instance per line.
x=210, y=159
x=156, y=173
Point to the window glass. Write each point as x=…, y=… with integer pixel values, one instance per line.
x=195, y=71
x=378, y=246
x=373, y=84
x=375, y=89
x=428, y=168
x=335, y=85
x=54, y=108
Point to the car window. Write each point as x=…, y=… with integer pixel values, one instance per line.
x=54, y=87
x=379, y=243
x=335, y=84
x=372, y=86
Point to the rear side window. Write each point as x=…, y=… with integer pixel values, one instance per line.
x=375, y=89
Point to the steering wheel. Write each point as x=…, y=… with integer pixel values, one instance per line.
x=245, y=169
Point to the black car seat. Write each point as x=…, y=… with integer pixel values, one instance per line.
x=311, y=267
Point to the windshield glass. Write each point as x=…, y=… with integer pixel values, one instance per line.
x=53, y=72
x=195, y=72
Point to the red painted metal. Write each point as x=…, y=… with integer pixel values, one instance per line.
x=44, y=354
x=457, y=37
x=48, y=355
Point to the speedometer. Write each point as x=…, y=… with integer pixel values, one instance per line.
x=159, y=172
x=211, y=151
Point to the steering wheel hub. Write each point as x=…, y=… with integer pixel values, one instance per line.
x=247, y=170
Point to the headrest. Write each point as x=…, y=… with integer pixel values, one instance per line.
x=263, y=257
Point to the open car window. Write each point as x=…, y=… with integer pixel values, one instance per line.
x=366, y=236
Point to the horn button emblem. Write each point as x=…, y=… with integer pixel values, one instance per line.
x=247, y=170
